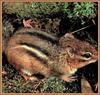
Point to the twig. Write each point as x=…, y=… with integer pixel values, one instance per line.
x=26, y=83
x=36, y=86
x=81, y=29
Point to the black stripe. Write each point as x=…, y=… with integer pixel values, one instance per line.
x=44, y=61
x=36, y=47
x=44, y=36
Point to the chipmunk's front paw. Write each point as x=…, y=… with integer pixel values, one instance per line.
x=68, y=78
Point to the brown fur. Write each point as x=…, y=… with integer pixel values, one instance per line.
x=63, y=59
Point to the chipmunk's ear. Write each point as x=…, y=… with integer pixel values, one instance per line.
x=70, y=52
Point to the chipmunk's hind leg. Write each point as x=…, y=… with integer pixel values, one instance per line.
x=28, y=77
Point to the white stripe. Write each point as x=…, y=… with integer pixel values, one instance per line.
x=37, y=52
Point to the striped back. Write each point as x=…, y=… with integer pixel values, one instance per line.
x=35, y=43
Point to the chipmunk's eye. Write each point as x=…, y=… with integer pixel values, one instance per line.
x=87, y=55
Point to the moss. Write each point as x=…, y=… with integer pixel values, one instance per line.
x=53, y=84
x=73, y=10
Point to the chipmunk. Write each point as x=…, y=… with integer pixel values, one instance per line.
x=34, y=52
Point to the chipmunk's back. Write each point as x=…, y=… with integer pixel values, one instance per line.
x=39, y=41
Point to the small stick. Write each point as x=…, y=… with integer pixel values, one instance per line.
x=81, y=29
x=36, y=86
x=25, y=83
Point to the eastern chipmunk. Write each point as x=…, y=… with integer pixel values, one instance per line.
x=34, y=52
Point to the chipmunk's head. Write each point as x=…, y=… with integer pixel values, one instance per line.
x=78, y=53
